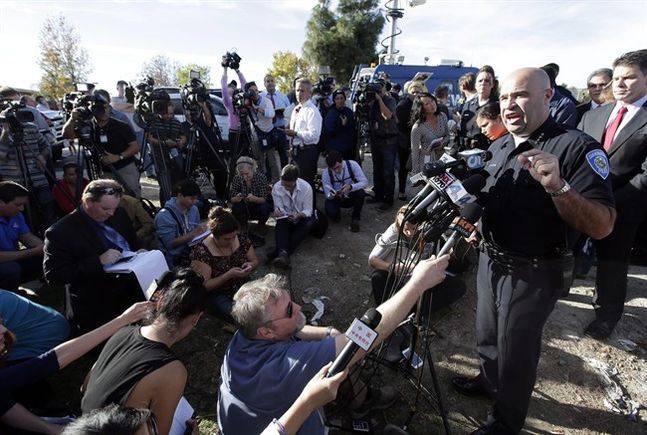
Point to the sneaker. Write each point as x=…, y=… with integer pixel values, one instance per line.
x=282, y=261
x=376, y=399
x=354, y=226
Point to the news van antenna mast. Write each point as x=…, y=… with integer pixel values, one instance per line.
x=393, y=13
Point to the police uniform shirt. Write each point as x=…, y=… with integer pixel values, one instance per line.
x=114, y=137
x=519, y=216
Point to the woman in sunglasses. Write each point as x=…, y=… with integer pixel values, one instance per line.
x=11, y=378
x=136, y=367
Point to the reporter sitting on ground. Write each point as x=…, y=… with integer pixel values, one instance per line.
x=178, y=223
x=34, y=369
x=136, y=367
x=248, y=194
x=225, y=259
x=343, y=185
x=293, y=212
x=265, y=367
x=17, y=265
x=382, y=256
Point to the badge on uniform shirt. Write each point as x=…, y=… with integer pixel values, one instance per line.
x=598, y=162
x=103, y=138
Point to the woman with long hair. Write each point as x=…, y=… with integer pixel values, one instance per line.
x=429, y=132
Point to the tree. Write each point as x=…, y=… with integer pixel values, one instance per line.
x=182, y=74
x=287, y=66
x=161, y=69
x=62, y=59
x=345, y=38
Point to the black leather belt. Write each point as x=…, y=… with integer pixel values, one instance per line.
x=511, y=258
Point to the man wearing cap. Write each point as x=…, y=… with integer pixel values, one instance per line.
x=115, y=139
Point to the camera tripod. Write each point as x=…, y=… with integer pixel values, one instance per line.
x=197, y=136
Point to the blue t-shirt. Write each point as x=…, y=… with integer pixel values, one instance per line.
x=10, y=230
x=261, y=379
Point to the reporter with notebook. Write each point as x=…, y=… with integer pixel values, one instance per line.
x=77, y=247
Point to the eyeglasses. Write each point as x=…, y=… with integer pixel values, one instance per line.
x=289, y=314
x=107, y=190
x=152, y=424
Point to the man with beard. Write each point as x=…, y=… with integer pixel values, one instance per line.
x=274, y=354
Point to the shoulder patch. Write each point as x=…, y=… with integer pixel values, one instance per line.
x=598, y=162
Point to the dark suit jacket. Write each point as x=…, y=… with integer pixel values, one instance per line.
x=627, y=156
x=72, y=250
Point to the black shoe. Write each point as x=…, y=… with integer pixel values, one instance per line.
x=496, y=428
x=385, y=206
x=469, y=386
x=402, y=196
x=354, y=226
x=282, y=261
x=599, y=329
x=373, y=201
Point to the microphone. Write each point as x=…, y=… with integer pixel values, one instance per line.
x=472, y=159
x=462, y=226
x=446, y=186
x=360, y=334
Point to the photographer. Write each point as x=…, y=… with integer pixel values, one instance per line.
x=115, y=139
x=235, y=137
x=167, y=139
x=384, y=143
x=262, y=114
x=23, y=156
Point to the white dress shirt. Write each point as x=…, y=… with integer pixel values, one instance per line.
x=306, y=121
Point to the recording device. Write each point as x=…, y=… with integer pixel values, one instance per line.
x=361, y=333
x=462, y=226
x=471, y=160
x=149, y=102
x=231, y=59
x=15, y=114
x=323, y=88
x=193, y=93
x=449, y=189
x=366, y=91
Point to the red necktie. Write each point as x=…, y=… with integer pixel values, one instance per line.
x=612, y=129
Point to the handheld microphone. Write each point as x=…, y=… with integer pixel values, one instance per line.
x=360, y=333
x=462, y=226
x=471, y=159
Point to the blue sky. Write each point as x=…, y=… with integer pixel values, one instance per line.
x=121, y=35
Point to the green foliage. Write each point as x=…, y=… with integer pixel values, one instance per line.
x=287, y=66
x=345, y=38
x=62, y=59
x=182, y=74
x=162, y=69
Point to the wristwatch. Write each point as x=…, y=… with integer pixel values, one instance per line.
x=565, y=188
x=121, y=156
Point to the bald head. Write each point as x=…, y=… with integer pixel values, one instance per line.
x=525, y=100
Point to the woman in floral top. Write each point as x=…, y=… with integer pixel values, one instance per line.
x=225, y=259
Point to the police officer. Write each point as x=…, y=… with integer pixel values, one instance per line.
x=546, y=183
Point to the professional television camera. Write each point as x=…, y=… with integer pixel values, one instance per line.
x=15, y=114
x=365, y=95
x=193, y=93
x=231, y=59
x=320, y=93
x=149, y=102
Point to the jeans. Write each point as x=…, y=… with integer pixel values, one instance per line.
x=289, y=235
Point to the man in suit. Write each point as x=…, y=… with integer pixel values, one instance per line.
x=78, y=247
x=622, y=130
x=597, y=81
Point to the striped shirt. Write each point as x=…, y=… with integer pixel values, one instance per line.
x=32, y=145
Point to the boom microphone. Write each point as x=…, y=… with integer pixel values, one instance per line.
x=462, y=226
x=360, y=334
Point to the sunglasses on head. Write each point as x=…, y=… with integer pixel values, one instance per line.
x=107, y=190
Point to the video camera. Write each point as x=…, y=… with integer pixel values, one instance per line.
x=323, y=88
x=193, y=93
x=231, y=59
x=366, y=91
x=15, y=114
x=149, y=102
x=239, y=100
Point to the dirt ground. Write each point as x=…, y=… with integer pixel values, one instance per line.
x=569, y=396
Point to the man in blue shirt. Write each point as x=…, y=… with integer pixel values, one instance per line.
x=343, y=185
x=17, y=265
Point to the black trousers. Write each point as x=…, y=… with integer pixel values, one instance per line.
x=383, y=152
x=289, y=235
x=306, y=159
x=514, y=302
x=403, y=157
x=355, y=200
x=613, y=253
